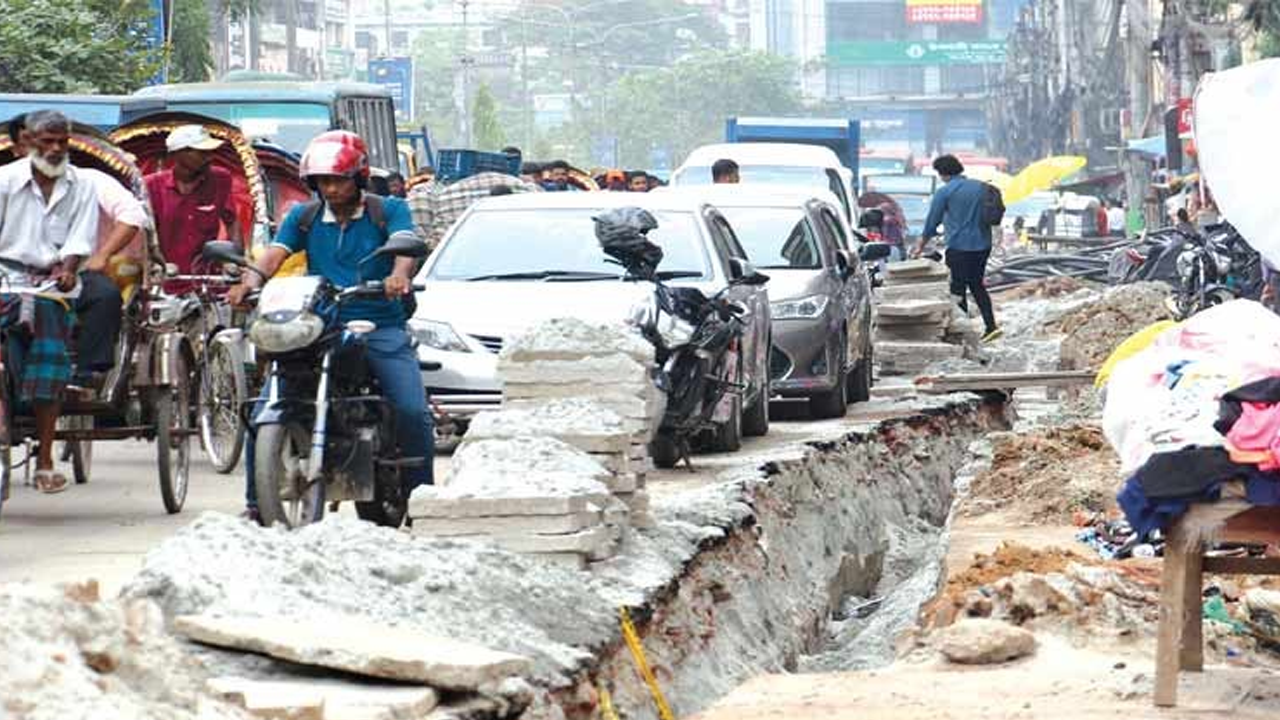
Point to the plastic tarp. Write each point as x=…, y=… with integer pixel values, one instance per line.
x=1235, y=131
x=1154, y=146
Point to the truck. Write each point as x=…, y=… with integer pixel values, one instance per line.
x=843, y=136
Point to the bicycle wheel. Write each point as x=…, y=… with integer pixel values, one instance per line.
x=223, y=391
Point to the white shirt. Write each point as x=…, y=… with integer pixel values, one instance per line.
x=1115, y=219
x=36, y=234
x=115, y=205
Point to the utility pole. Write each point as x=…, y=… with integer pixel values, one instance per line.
x=1138, y=80
x=465, y=62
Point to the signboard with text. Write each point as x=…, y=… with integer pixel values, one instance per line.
x=944, y=11
x=923, y=52
x=396, y=74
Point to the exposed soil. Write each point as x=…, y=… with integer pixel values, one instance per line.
x=1093, y=332
x=1048, y=475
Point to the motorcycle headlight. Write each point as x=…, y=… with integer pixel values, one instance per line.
x=674, y=331
x=438, y=336
x=805, y=308
x=285, y=335
x=1186, y=262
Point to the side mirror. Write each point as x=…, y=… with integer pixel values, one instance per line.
x=844, y=263
x=873, y=251
x=744, y=273
x=402, y=243
x=222, y=251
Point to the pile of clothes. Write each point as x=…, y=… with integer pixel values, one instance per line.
x=1194, y=414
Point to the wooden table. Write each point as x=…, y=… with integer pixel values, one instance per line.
x=1180, y=639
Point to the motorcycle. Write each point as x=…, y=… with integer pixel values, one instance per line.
x=324, y=431
x=1214, y=268
x=697, y=342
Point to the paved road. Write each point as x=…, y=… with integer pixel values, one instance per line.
x=103, y=529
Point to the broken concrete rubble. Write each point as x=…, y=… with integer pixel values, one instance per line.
x=330, y=699
x=573, y=339
x=356, y=645
x=976, y=641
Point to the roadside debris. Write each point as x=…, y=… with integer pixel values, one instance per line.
x=1094, y=331
x=1047, y=475
x=977, y=641
x=917, y=323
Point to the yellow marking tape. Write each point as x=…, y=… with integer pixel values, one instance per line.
x=632, y=638
x=606, y=704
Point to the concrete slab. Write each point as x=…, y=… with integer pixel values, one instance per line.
x=935, y=290
x=356, y=645
x=425, y=505
x=612, y=369
x=334, y=699
x=587, y=542
x=507, y=525
x=571, y=338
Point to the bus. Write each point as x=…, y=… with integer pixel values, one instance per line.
x=289, y=113
x=102, y=112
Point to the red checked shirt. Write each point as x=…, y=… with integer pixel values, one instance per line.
x=185, y=223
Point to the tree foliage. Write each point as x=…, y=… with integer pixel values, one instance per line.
x=678, y=108
x=486, y=129
x=86, y=46
x=191, y=55
x=1264, y=17
x=435, y=54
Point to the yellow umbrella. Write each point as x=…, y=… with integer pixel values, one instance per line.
x=1001, y=180
x=1041, y=175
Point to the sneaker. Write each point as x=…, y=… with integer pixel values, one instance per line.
x=992, y=336
x=252, y=515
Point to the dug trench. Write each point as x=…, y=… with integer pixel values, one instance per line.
x=818, y=563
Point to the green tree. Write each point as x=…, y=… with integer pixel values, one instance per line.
x=435, y=54
x=679, y=108
x=1264, y=17
x=486, y=130
x=87, y=46
x=191, y=54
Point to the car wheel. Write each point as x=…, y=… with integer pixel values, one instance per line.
x=833, y=403
x=755, y=420
x=862, y=377
x=728, y=437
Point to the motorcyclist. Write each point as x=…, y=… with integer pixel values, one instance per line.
x=344, y=232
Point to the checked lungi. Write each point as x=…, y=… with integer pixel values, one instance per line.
x=41, y=348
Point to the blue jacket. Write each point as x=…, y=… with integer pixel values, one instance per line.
x=958, y=205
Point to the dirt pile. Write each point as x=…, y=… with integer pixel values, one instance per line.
x=1047, y=475
x=1093, y=331
x=66, y=655
x=1051, y=287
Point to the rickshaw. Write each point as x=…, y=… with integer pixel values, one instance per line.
x=265, y=185
x=148, y=394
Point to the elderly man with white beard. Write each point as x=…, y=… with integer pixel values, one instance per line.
x=48, y=224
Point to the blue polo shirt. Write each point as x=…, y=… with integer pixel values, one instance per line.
x=958, y=206
x=335, y=252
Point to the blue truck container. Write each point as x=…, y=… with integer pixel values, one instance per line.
x=843, y=136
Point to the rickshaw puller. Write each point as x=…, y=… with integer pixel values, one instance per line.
x=48, y=223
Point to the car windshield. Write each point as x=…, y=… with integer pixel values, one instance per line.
x=761, y=174
x=289, y=125
x=915, y=208
x=549, y=244
x=871, y=166
x=777, y=238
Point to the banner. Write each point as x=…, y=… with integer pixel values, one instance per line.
x=397, y=75
x=944, y=11
x=983, y=52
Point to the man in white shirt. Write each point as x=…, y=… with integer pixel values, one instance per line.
x=1115, y=218
x=48, y=223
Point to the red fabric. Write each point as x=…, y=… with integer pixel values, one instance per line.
x=185, y=223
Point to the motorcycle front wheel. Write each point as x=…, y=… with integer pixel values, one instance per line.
x=280, y=477
x=390, y=503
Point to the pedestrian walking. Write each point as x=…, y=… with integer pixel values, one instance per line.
x=964, y=207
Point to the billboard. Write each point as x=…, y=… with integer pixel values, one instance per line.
x=923, y=52
x=396, y=74
x=944, y=11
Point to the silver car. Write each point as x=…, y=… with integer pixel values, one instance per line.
x=512, y=262
x=820, y=292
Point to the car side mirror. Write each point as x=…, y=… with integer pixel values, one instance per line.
x=222, y=251
x=402, y=243
x=873, y=251
x=844, y=263
x=744, y=273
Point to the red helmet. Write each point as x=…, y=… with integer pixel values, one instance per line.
x=337, y=152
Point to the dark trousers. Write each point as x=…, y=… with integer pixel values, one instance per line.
x=98, y=318
x=968, y=275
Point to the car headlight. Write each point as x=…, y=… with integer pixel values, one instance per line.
x=282, y=336
x=438, y=336
x=805, y=308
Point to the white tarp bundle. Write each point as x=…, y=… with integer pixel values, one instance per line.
x=1236, y=136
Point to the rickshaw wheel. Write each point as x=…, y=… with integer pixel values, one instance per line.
x=172, y=407
x=79, y=452
x=6, y=474
x=223, y=390
x=280, y=459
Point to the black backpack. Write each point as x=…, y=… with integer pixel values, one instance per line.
x=992, y=205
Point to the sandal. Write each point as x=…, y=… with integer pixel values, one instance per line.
x=50, y=482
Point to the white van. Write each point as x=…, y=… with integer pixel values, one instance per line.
x=775, y=164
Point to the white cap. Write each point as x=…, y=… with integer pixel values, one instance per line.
x=191, y=136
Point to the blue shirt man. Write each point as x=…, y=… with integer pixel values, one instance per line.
x=959, y=206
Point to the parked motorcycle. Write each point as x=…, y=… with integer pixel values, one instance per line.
x=1214, y=268
x=325, y=433
x=697, y=339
